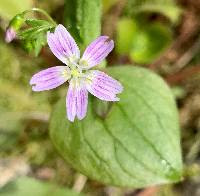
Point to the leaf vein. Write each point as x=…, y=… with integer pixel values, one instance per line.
x=130, y=153
x=96, y=154
x=147, y=140
x=154, y=112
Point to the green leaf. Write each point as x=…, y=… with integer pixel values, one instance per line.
x=171, y=11
x=29, y=186
x=144, y=42
x=136, y=145
x=39, y=43
x=126, y=30
x=9, y=9
x=83, y=19
x=34, y=38
x=167, y=8
x=149, y=42
x=32, y=33
x=35, y=22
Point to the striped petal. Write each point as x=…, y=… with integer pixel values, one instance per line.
x=96, y=52
x=103, y=86
x=63, y=45
x=77, y=100
x=50, y=78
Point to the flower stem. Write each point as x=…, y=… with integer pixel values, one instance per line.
x=42, y=12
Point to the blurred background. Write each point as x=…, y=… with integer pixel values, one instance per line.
x=161, y=35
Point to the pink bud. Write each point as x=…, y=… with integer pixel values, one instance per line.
x=10, y=34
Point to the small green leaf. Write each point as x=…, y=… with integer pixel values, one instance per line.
x=168, y=8
x=39, y=43
x=136, y=145
x=34, y=38
x=35, y=22
x=83, y=19
x=29, y=186
x=32, y=33
x=35, y=44
x=172, y=11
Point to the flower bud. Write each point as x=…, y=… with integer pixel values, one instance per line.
x=10, y=34
x=14, y=25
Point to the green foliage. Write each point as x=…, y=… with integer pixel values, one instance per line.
x=10, y=8
x=36, y=22
x=83, y=20
x=15, y=98
x=34, y=38
x=16, y=101
x=167, y=8
x=136, y=145
x=29, y=186
x=143, y=42
x=126, y=31
x=149, y=42
x=10, y=126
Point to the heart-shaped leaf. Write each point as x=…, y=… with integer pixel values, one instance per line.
x=137, y=144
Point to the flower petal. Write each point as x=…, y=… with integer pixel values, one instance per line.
x=77, y=100
x=50, y=78
x=63, y=45
x=103, y=86
x=96, y=52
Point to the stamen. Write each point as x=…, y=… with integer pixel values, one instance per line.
x=65, y=74
x=84, y=63
x=75, y=72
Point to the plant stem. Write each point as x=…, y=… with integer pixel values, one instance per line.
x=42, y=12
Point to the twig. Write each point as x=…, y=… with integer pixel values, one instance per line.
x=79, y=183
x=113, y=191
x=194, y=150
x=182, y=75
x=149, y=191
x=12, y=168
x=187, y=56
x=189, y=30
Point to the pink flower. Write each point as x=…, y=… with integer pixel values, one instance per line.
x=76, y=71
